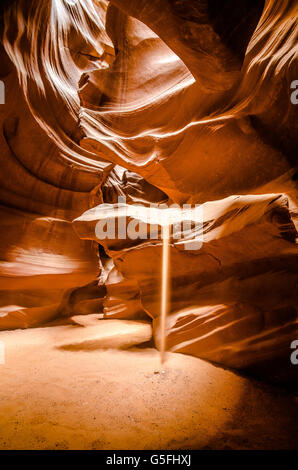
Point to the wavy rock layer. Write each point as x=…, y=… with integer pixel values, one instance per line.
x=167, y=102
x=233, y=300
x=42, y=260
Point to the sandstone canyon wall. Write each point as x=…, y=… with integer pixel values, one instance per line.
x=176, y=102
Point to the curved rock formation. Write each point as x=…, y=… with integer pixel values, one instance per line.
x=217, y=125
x=44, y=185
x=233, y=298
x=155, y=102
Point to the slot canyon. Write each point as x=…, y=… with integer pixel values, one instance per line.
x=119, y=120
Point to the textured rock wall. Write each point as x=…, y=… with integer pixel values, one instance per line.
x=232, y=300
x=43, y=187
x=158, y=102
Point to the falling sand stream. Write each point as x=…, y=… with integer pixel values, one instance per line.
x=164, y=288
x=169, y=219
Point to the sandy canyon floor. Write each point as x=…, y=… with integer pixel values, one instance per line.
x=94, y=384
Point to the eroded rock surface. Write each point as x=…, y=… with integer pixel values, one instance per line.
x=233, y=299
x=167, y=102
